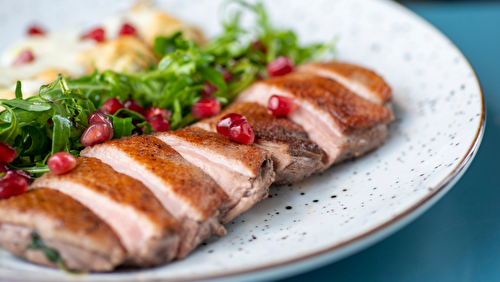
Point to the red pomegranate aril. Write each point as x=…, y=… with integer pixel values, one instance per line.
x=257, y=45
x=226, y=121
x=154, y=111
x=24, y=174
x=209, y=89
x=12, y=184
x=97, y=34
x=4, y=167
x=36, y=30
x=98, y=116
x=227, y=76
x=111, y=106
x=158, y=123
x=280, y=66
x=127, y=29
x=134, y=106
x=96, y=133
x=24, y=57
x=241, y=132
x=205, y=107
x=280, y=105
x=7, y=153
x=61, y=162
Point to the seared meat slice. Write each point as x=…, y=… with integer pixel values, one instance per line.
x=148, y=232
x=184, y=190
x=294, y=156
x=343, y=124
x=244, y=172
x=83, y=241
x=361, y=81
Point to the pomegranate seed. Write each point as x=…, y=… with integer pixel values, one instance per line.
x=7, y=153
x=61, y=162
x=209, y=89
x=134, y=106
x=12, y=184
x=158, y=123
x=25, y=57
x=111, y=106
x=4, y=167
x=95, y=133
x=36, y=30
x=227, y=76
x=226, y=121
x=98, y=116
x=241, y=132
x=153, y=111
x=281, y=106
x=24, y=174
x=97, y=34
x=205, y=107
x=257, y=45
x=280, y=66
x=127, y=29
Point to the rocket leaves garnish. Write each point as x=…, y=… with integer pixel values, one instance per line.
x=54, y=120
x=37, y=244
x=51, y=254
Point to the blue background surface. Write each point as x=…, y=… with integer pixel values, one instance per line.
x=458, y=239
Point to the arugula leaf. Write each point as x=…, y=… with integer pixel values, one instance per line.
x=19, y=94
x=37, y=244
x=9, y=132
x=61, y=134
x=121, y=126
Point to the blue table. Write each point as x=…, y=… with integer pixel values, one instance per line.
x=459, y=238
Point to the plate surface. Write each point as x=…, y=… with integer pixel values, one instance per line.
x=439, y=124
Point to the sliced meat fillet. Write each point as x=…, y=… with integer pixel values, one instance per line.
x=149, y=233
x=343, y=124
x=294, y=156
x=188, y=193
x=244, y=172
x=364, y=82
x=84, y=242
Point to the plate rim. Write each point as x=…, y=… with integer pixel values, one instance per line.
x=437, y=192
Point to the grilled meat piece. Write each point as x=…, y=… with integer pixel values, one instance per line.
x=343, y=124
x=189, y=194
x=294, y=156
x=148, y=232
x=83, y=240
x=361, y=81
x=244, y=172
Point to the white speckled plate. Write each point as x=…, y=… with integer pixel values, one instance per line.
x=439, y=124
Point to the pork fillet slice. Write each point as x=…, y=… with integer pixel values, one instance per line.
x=244, y=172
x=188, y=193
x=149, y=233
x=343, y=124
x=364, y=82
x=294, y=156
x=83, y=241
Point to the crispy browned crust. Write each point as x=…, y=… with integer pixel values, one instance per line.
x=267, y=127
x=350, y=111
x=65, y=216
x=100, y=177
x=242, y=153
x=371, y=80
x=186, y=180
